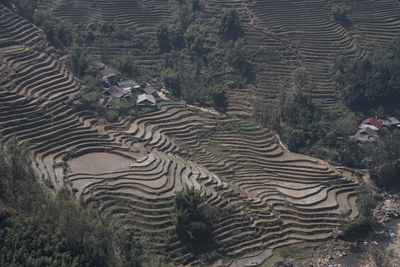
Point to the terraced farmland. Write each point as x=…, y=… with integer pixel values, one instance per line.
x=303, y=34
x=130, y=170
x=139, y=17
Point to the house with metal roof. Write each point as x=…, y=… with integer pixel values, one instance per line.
x=117, y=92
x=374, y=122
x=128, y=83
x=146, y=100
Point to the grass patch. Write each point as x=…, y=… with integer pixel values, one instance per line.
x=215, y=149
x=301, y=251
x=49, y=195
x=297, y=251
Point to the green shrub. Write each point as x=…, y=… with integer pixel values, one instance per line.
x=300, y=78
x=112, y=115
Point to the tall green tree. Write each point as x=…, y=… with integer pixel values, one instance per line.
x=229, y=24
x=192, y=227
x=385, y=159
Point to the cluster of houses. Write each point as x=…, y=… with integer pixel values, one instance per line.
x=115, y=89
x=368, y=130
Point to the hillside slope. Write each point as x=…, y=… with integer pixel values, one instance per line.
x=303, y=33
x=130, y=170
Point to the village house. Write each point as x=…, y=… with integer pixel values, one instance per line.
x=391, y=122
x=109, y=76
x=149, y=89
x=373, y=122
x=129, y=83
x=369, y=129
x=146, y=100
x=117, y=92
x=365, y=135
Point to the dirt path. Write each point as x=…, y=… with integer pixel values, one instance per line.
x=209, y=110
x=162, y=96
x=284, y=147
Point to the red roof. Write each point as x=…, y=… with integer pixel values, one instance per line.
x=373, y=122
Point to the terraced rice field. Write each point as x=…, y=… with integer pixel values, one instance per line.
x=303, y=33
x=141, y=17
x=131, y=173
x=131, y=170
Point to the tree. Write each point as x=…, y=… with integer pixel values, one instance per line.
x=229, y=25
x=385, y=159
x=112, y=115
x=218, y=97
x=79, y=61
x=304, y=125
x=238, y=57
x=4, y=173
x=15, y=166
x=126, y=65
x=170, y=38
x=134, y=251
x=195, y=39
x=300, y=78
x=340, y=12
x=369, y=82
x=172, y=81
x=192, y=227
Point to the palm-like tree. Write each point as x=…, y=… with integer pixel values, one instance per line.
x=192, y=227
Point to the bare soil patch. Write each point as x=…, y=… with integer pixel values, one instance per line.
x=96, y=163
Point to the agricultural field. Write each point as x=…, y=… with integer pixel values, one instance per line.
x=264, y=196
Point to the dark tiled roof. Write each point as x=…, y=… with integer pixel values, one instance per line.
x=128, y=83
x=149, y=90
x=115, y=91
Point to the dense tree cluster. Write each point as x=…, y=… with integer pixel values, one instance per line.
x=192, y=57
x=303, y=123
x=218, y=96
x=372, y=81
x=238, y=55
x=384, y=159
x=229, y=25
